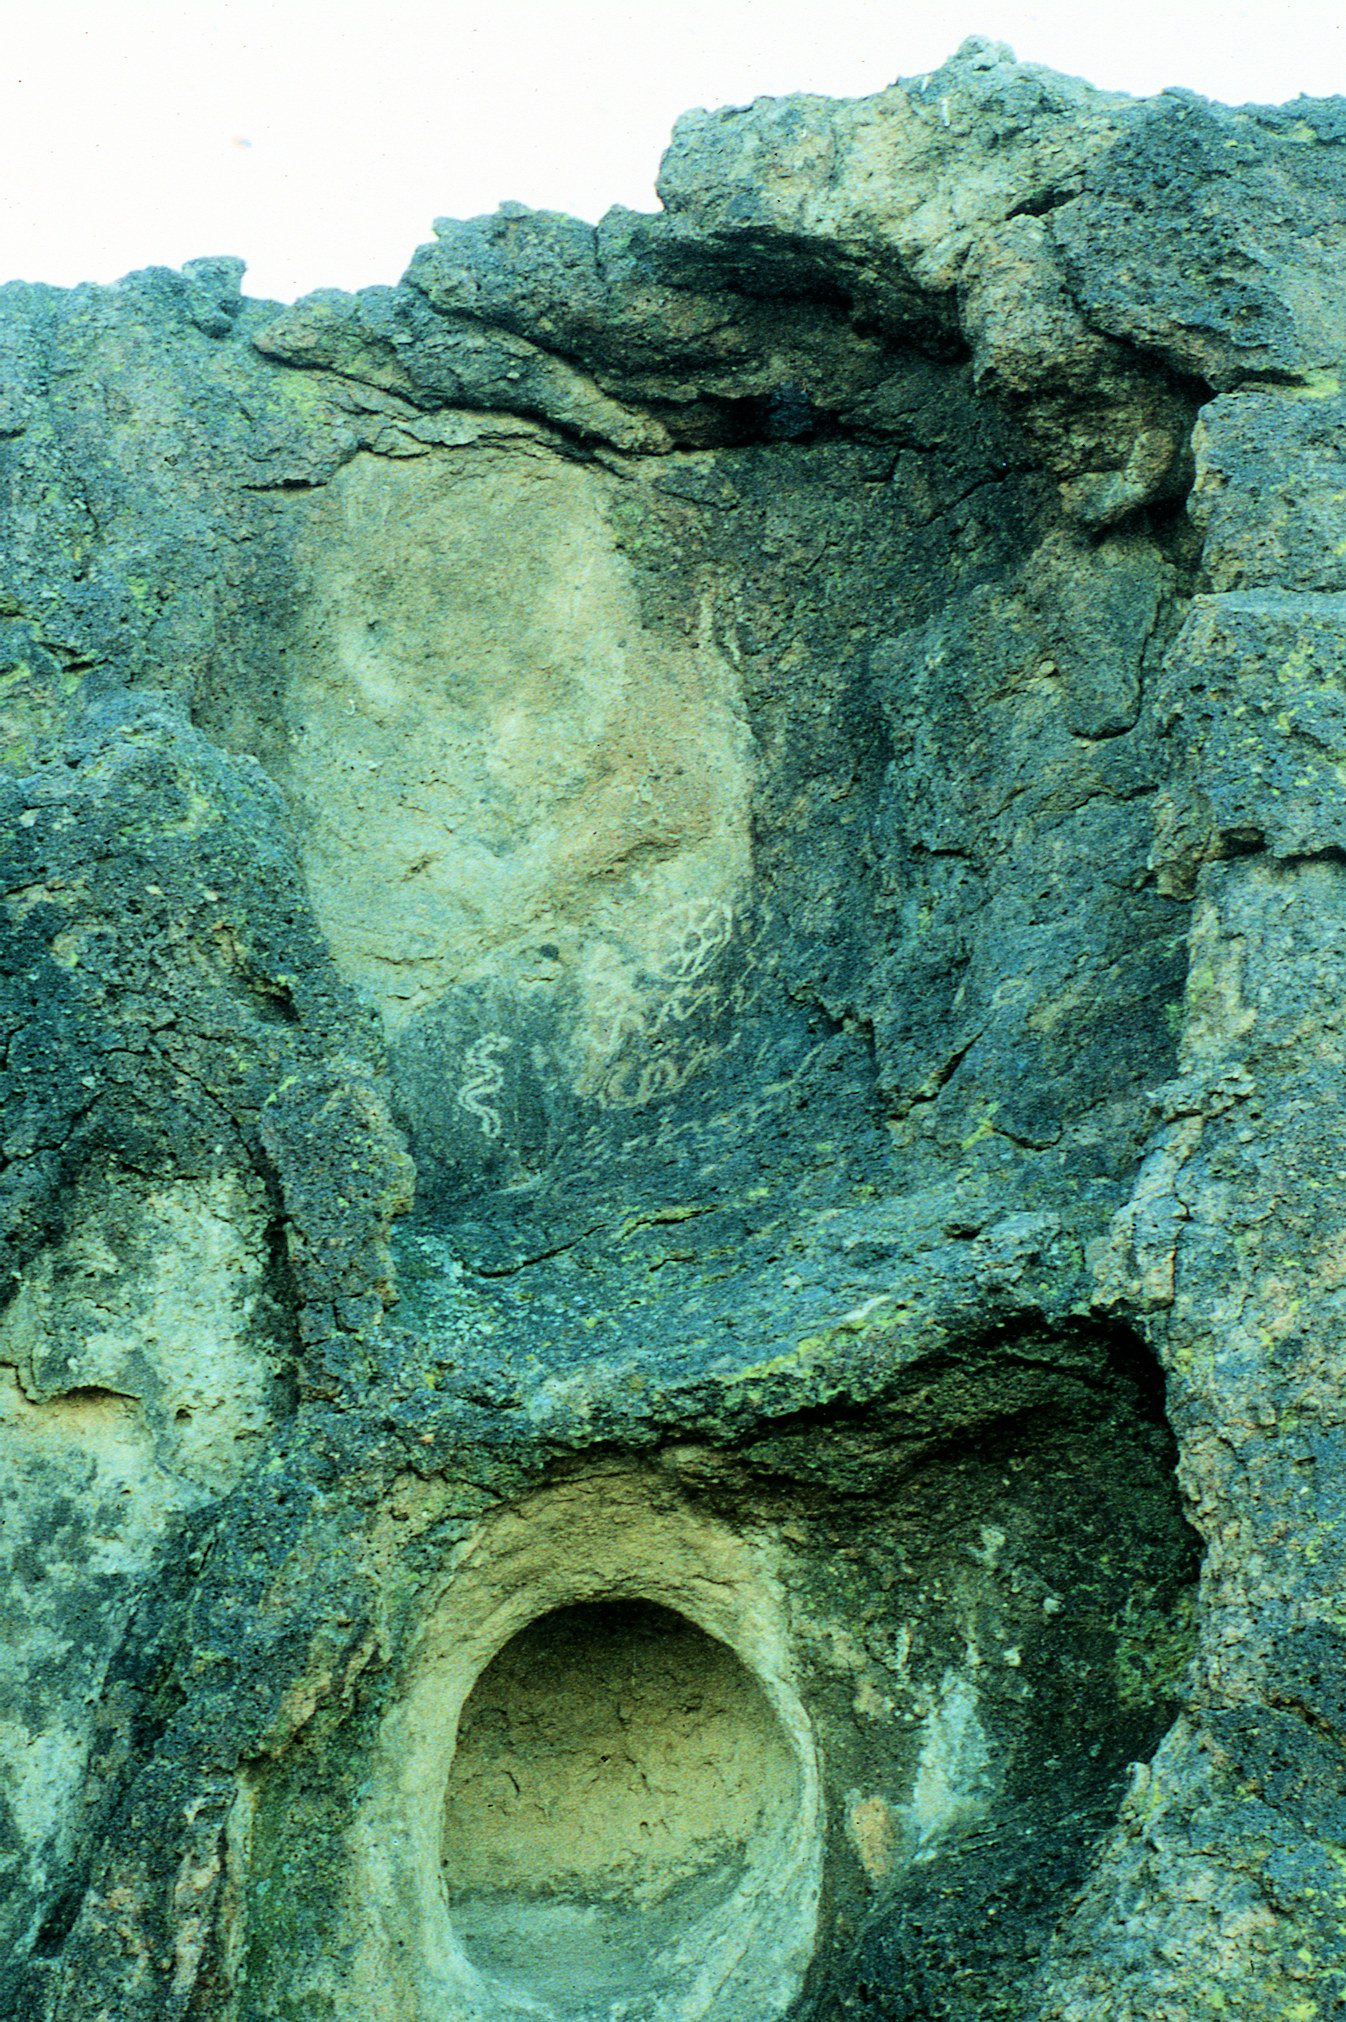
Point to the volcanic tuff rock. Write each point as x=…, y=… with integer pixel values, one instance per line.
x=675, y=944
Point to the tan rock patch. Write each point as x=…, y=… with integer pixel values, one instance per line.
x=489, y=752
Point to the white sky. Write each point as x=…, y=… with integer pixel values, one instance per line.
x=318, y=139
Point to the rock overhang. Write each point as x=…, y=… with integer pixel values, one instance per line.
x=855, y=1188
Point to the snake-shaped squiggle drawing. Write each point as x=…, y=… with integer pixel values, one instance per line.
x=694, y=934
x=485, y=1078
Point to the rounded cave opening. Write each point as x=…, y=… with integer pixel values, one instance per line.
x=619, y=1805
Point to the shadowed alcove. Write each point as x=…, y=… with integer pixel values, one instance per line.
x=596, y=1796
x=616, y=1768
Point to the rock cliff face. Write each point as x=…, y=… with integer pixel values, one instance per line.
x=673, y=1000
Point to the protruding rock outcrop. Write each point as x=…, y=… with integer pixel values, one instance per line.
x=673, y=1019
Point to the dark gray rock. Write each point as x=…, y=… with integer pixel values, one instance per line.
x=783, y=762
x=1213, y=238
x=1270, y=488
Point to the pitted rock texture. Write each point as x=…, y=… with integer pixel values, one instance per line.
x=672, y=987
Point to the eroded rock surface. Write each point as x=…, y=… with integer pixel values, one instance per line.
x=672, y=981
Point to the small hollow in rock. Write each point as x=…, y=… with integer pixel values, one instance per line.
x=618, y=1773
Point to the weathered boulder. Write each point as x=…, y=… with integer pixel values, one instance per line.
x=672, y=1133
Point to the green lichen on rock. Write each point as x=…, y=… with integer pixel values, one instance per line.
x=674, y=946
